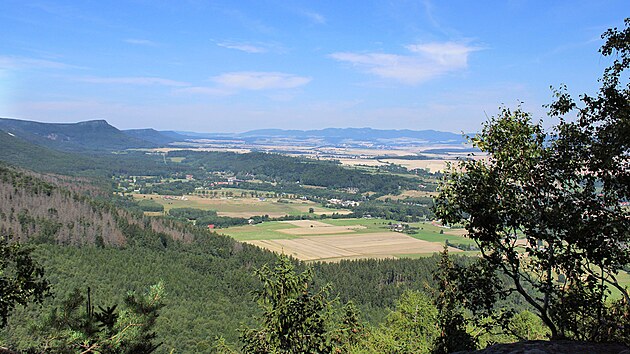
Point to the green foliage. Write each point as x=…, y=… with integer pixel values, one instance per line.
x=191, y=213
x=206, y=217
x=278, y=168
x=549, y=203
x=527, y=326
x=450, y=319
x=150, y=205
x=130, y=330
x=294, y=317
x=401, y=210
x=21, y=279
x=410, y=328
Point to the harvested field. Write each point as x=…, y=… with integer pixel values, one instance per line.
x=335, y=247
x=431, y=165
x=240, y=207
x=307, y=223
x=329, y=230
x=366, y=162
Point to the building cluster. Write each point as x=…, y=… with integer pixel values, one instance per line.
x=343, y=203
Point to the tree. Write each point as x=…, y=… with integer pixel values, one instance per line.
x=21, y=279
x=108, y=330
x=450, y=319
x=410, y=328
x=549, y=203
x=294, y=318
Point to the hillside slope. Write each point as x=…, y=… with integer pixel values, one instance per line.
x=95, y=135
x=63, y=210
x=154, y=136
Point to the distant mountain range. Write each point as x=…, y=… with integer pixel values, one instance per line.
x=98, y=135
x=337, y=135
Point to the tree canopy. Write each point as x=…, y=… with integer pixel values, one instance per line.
x=546, y=206
x=21, y=279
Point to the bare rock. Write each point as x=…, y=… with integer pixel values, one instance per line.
x=553, y=347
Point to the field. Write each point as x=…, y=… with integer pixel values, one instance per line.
x=432, y=166
x=241, y=207
x=336, y=239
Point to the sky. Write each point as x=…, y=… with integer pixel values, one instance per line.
x=234, y=66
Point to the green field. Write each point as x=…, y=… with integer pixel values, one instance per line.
x=262, y=231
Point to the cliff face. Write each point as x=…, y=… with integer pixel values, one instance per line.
x=554, y=347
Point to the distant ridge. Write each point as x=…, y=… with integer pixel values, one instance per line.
x=154, y=136
x=339, y=135
x=92, y=135
x=362, y=133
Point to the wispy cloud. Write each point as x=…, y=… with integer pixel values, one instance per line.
x=16, y=63
x=144, y=42
x=203, y=90
x=134, y=80
x=257, y=80
x=315, y=17
x=244, y=47
x=424, y=62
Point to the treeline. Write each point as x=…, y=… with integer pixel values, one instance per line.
x=314, y=194
x=206, y=218
x=402, y=210
x=278, y=168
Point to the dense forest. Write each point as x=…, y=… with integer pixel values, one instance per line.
x=113, y=249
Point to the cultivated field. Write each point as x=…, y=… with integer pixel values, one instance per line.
x=430, y=165
x=333, y=240
x=241, y=207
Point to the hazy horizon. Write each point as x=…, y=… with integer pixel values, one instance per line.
x=222, y=67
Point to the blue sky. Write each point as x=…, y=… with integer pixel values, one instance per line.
x=232, y=66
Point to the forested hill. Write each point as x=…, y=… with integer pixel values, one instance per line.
x=72, y=211
x=94, y=135
x=154, y=136
x=19, y=152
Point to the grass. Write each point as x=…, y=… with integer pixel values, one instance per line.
x=624, y=280
x=263, y=231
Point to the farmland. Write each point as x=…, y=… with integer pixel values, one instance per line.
x=241, y=207
x=333, y=240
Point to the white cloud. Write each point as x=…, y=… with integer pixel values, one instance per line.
x=144, y=42
x=133, y=80
x=256, y=80
x=426, y=61
x=244, y=47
